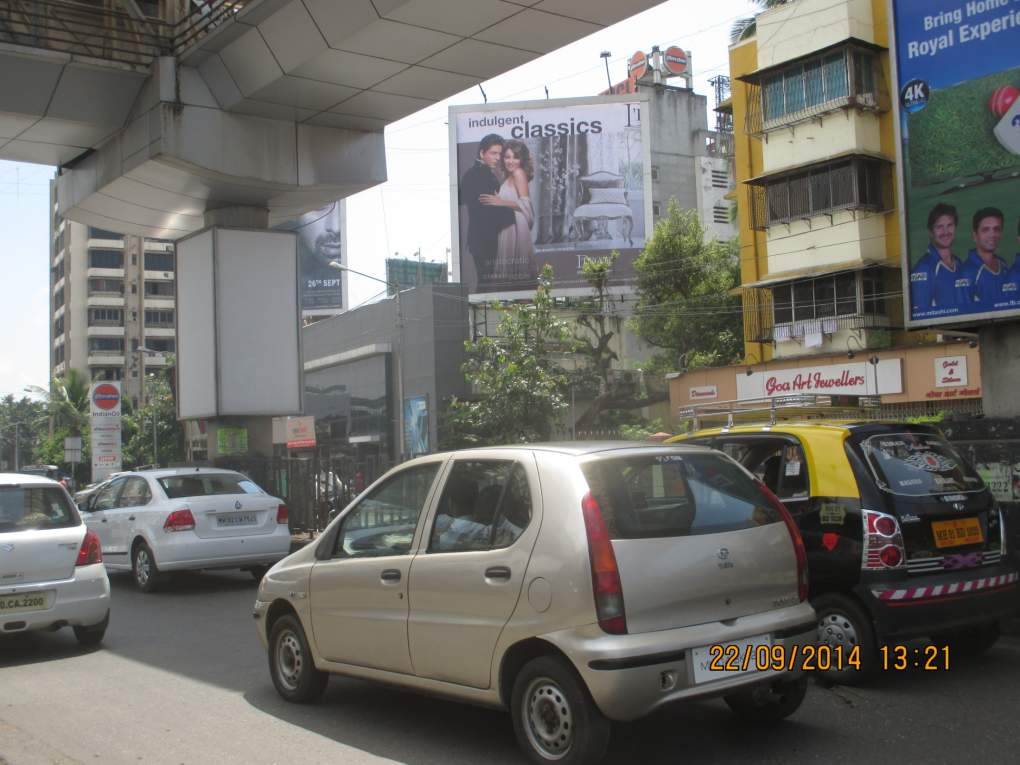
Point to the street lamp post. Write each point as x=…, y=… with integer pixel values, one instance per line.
x=400, y=349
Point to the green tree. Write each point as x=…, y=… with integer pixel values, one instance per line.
x=23, y=425
x=745, y=27
x=66, y=401
x=159, y=410
x=684, y=302
x=519, y=392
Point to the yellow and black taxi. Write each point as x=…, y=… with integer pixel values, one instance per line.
x=903, y=538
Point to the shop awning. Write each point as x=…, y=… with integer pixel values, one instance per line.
x=827, y=269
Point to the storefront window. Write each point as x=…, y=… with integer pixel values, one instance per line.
x=350, y=401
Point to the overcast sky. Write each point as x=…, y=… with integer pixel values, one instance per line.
x=409, y=212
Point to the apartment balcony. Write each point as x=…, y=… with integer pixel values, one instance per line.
x=59, y=284
x=159, y=301
x=106, y=244
x=106, y=330
x=158, y=276
x=163, y=330
x=156, y=359
x=105, y=300
x=59, y=340
x=59, y=311
x=106, y=358
x=106, y=273
x=59, y=369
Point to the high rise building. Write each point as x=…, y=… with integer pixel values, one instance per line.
x=111, y=304
x=814, y=154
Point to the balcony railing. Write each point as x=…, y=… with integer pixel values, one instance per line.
x=99, y=29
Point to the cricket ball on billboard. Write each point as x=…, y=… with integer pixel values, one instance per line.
x=1002, y=99
x=106, y=396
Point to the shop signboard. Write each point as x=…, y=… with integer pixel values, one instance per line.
x=105, y=429
x=957, y=80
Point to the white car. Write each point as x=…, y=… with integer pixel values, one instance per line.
x=156, y=521
x=51, y=565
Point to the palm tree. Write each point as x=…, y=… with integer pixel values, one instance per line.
x=67, y=401
x=744, y=28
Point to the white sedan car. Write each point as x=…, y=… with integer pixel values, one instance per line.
x=153, y=522
x=51, y=565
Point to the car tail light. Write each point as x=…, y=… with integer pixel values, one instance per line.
x=180, y=520
x=91, y=551
x=799, y=550
x=883, y=542
x=605, y=575
x=282, y=514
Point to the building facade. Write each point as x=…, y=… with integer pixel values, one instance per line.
x=112, y=304
x=814, y=157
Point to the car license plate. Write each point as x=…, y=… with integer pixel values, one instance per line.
x=957, y=532
x=29, y=601
x=715, y=662
x=236, y=519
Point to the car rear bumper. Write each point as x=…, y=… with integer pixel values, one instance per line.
x=630, y=676
x=923, y=606
x=184, y=551
x=82, y=601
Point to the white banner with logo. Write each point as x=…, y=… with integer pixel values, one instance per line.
x=950, y=371
x=104, y=415
x=860, y=379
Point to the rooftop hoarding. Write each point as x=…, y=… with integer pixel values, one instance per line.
x=957, y=72
x=548, y=182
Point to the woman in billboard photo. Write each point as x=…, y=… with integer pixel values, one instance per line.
x=515, y=252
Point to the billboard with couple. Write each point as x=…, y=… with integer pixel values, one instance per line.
x=958, y=83
x=548, y=182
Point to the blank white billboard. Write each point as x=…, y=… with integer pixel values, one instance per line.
x=196, y=341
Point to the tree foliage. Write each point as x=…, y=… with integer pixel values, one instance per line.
x=139, y=448
x=23, y=424
x=745, y=27
x=684, y=301
x=519, y=392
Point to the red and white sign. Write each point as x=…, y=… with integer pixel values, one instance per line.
x=704, y=393
x=637, y=66
x=675, y=60
x=300, y=432
x=105, y=422
x=950, y=371
x=862, y=379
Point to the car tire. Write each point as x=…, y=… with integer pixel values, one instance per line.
x=769, y=702
x=554, y=716
x=144, y=569
x=843, y=624
x=290, y=662
x=258, y=572
x=92, y=635
x=969, y=641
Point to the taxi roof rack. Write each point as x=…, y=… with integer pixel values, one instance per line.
x=771, y=410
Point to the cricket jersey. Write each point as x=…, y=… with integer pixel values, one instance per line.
x=934, y=286
x=991, y=290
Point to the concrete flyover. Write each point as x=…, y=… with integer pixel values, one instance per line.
x=278, y=104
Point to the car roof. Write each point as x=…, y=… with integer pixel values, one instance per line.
x=576, y=448
x=802, y=428
x=26, y=479
x=170, y=472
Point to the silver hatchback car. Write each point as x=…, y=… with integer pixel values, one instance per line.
x=574, y=584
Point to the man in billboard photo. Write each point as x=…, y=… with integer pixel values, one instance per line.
x=515, y=252
x=938, y=282
x=485, y=221
x=991, y=283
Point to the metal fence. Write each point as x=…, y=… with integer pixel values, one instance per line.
x=313, y=487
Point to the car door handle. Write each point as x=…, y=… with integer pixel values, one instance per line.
x=131, y=517
x=102, y=520
x=390, y=575
x=497, y=572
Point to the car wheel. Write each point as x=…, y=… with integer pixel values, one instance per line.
x=290, y=662
x=144, y=568
x=845, y=627
x=769, y=702
x=258, y=572
x=554, y=716
x=969, y=641
x=92, y=635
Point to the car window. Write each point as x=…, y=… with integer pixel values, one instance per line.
x=384, y=521
x=30, y=508
x=918, y=464
x=106, y=499
x=671, y=495
x=207, y=485
x=135, y=493
x=485, y=504
x=776, y=462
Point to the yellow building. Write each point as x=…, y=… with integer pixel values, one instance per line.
x=816, y=196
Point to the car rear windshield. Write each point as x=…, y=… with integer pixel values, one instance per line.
x=675, y=495
x=31, y=508
x=207, y=485
x=918, y=465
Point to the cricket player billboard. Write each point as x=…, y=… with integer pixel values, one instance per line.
x=548, y=183
x=957, y=74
